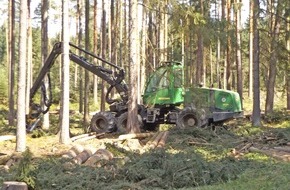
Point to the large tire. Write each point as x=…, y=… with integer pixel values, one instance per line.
x=122, y=122
x=189, y=118
x=103, y=122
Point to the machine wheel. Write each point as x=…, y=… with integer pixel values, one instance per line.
x=188, y=118
x=103, y=122
x=122, y=122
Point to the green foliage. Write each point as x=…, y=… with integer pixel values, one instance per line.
x=3, y=83
x=3, y=45
x=23, y=171
x=277, y=116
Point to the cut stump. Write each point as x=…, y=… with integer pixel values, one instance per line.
x=14, y=185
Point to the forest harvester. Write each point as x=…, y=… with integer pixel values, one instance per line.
x=165, y=99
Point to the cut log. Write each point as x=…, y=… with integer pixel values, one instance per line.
x=7, y=137
x=285, y=149
x=85, y=138
x=156, y=140
x=246, y=147
x=9, y=164
x=162, y=140
x=200, y=143
x=82, y=136
x=101, y=154
x=133, y=136
x=152, y=139
x=14, y=185
x=74, y=151
x=13, y=159
x=84, y=155
x=272, y=153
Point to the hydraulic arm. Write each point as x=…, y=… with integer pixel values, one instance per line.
x=114, y=77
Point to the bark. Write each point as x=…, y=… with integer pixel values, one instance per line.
x=95, y=44
x=238, y=50
x=21, y=122
x=87, y=79
x=143, y=53
x=29, y=59
x=133, y=124
x=11, y=53
x=44, y=53
x=273, y=61
x=288, y=66
x=103, y=93
x=228, y=49
x=80, y=42
x=256, y=115
x=251, y=51
x=200, y=51
x=64, y=109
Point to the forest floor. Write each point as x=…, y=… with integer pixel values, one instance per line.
x=234, y=156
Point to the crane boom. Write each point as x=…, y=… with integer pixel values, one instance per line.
x=115, y=78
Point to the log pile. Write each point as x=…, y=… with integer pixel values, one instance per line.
x=87, y=155
x=157, y=141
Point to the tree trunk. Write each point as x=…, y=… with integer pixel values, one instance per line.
x=95, y=44
x=11, y=53
x=251, y=51
x=228, y=49
x=200, y=50
x=80, y=42
x=103, y=93
x=44, y=52
x=133, y=124
x=273, y=61
x=64, y=109
x=288, y=65
x=29, y=59
x=256, y=115
x=21, y=122
x=238, y=50
x=87, y=79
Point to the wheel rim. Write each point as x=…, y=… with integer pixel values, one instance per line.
x=189, y=120
x=123, y=124
x=101, y=124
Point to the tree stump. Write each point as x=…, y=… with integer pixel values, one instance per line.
x=14, y=185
